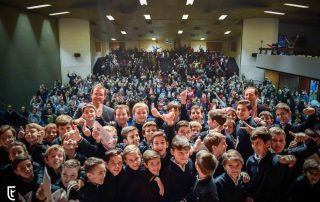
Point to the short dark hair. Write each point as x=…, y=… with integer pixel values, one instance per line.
x=218, y=115
x=206, y=162
x=159, y=134
x=311, y=165
x=111, y=153
x=91, y=163
x=262, y=133
x=19, y=159
x=149, y=155
x=182, y=123
x=180, y=143
x=245, y=103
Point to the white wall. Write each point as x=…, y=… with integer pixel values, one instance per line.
x=255, y=30
x=297, y=65
x=74, y=37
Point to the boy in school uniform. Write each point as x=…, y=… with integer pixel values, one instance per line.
x=307, y=186
x=64, y=124
x=70, y=147
x=147, y=130
x=121, y=116
x=140, y=113
x=196, y=128
x=265, y=169
x=284, y=113
x=216, y=144
x=301, y=152
x=231, y=185
x=177, y=177
x=265, y=119
x=33, y=138
x=159, y=143
x=7, y=136
x=97, y=150
x=54, y=158
x=70, y=172
x=110, y=190
x=244, y=127
x=130, y=136
x=131, y=172
x=26, y=180
x=204, y=189
x=149, y=187
x=50, y=133
x=95, y=171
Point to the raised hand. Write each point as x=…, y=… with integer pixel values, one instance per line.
x=96, y=135
x=309, y=111
x=183, y=96
x=247, y=127
x=154, y=111
x=299, y=137
x=168, y=118
x=86, y=130
x=287, y=159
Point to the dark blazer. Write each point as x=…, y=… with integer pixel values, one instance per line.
x=267, y=178
x=228, y=191
x=304, y=191
x=177, y=183
x=204, y=191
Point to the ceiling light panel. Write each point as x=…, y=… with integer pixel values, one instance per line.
x=38, y=6
x=189, y=2
x=147, y=17
x=123, y=32
x=180, y=31
x=227, y=32
x=60, y=13
x=185, y=16
x=275, y=13
x=143, y=2
x=109, y=17
x=295, y=5
x=222, y=17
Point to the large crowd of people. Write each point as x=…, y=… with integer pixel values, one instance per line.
x=139, y=130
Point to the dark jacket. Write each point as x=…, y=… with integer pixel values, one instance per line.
x=228, y=191
x=204, y=191
x=177, y=183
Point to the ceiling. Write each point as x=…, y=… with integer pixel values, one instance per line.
x=166, y=16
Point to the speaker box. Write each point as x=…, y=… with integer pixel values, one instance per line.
x=77, y=55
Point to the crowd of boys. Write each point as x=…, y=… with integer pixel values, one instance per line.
x=180, y=150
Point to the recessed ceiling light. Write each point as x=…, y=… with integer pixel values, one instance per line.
x=189, y=2
x=113, y=39
x=123, y=32
x=227, y=32
x=273, y=12
x=185, y=16
x=222, y=17
x=180, y=31
x=143, y=2
x=153, y=39
x=109, y=17
x=39, y=6
x=296, y=5
x=202, y=39
x=60, y=13
x=147, y=17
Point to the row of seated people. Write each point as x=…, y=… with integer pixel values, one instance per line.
x=97, y=155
